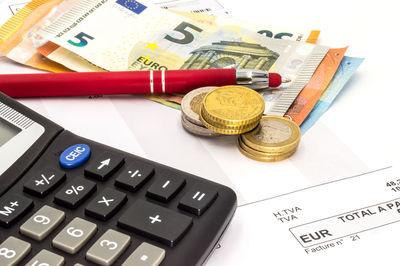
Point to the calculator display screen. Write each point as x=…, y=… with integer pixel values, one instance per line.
x=7, y=131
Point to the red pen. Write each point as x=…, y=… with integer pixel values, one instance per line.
x=131, y=82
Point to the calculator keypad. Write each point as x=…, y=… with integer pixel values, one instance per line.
x=156, y=222
x=75, y=235
x=108, y=247
x=42, y=223
x=109, y=208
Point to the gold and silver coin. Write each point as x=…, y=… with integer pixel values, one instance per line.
x=274, y=139
x=231, y=110
x=196, y=129
x=191, y=104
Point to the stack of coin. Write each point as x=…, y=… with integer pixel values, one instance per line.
x=191, y=105
x=274, y=139
x=231, y=110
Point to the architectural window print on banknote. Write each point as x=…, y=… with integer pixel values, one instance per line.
x=227, y=54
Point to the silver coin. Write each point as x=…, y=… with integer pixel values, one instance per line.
x=191, y=104
x=196, y=129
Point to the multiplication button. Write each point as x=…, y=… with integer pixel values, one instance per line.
x=43, y=182
x=106, y=204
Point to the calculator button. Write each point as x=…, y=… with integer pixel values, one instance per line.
x=75, y=192
x=104, y=166
x=75, y=235
x=12, y=207
x=108, y=248
x=13, y=250
x=134, y=176
x=198, y=199
x=46, y=258
x=106, y=204
x=74, y=156
x=43, y=182
x=166, y=187
x=42, y=223
x=145, y=255
x=156, y=222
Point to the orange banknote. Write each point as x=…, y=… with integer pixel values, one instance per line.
x=308, y=97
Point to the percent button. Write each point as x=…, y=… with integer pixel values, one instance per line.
x=75, y=192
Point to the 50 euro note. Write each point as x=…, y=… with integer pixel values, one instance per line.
x=345, y=71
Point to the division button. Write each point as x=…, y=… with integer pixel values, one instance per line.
x=42, y=223
x=43, y=182
x=156, y=222
x=75, y=235
x=107, y=249
x=198, y=199
x=106, y=204
x=45, y=257
x=13, y=250
x=134, y=176
x=146, y=255
x=104, y=166
x=75, y=192
x=12, y=207
x=166, y=187
x=75, y=156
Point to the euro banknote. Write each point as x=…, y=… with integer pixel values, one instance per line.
x=270, y=31
x=343, y=74
x=310, y=94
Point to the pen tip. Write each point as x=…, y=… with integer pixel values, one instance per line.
x=286, y=80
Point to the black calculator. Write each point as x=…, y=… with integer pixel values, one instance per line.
x=67, y=200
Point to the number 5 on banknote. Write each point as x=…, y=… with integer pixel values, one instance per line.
x=188, y=36
x=82, y=41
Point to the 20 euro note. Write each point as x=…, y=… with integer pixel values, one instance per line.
x=343, y=74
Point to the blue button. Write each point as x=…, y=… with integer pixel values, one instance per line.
x=75, y=155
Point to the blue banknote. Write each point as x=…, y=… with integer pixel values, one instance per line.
x=346, y=69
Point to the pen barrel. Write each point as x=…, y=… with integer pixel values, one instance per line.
x=107, y=83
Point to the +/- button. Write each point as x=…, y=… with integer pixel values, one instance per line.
x=75, y=156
